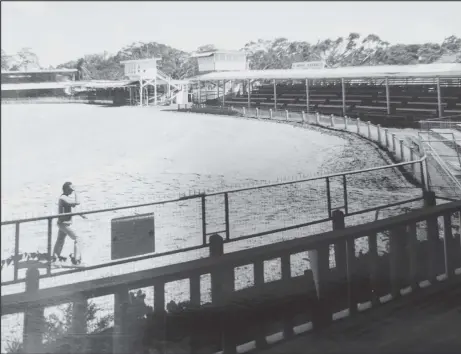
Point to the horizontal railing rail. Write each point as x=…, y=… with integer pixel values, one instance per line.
x=407, y=266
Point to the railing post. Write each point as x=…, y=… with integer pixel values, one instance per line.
x=121, y=301
x=288, y=331
x=412, y=157
x=257, y=112
x=49, y=241
x=226, y=216
x=379, y=135
x=16, y=251
x=432, y=236
x=195, y=300
x=413, y=248
x=34, y=321
x=449, y=246
x=204, y=234
x=374, y=263
x=402, y=154
x=345, y=122
x=358, y=126
x=332, y=121
x=244, y=111
x=340, y=249
x=320, y=265
x=317, y=118
x=222, y=284
x=397, y=239
x=303, y=114
x=287, y=114
x=369, y=129
x=394, y=145
x=386, y=133
x=258, y=276
x=79, y=324
x=270, y=113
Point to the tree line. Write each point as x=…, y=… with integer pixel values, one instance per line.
x=279, y=53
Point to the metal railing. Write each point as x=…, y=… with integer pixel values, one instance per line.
x=233, y=212
x=258, y=210
x=370, y=278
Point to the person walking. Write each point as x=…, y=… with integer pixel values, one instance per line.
x=67, y=201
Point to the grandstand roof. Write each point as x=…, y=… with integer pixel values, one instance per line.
x=207, y=54
x=382, y=71
x=65, y=84
x=41, y=71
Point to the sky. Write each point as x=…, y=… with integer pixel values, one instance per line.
x=62, y=31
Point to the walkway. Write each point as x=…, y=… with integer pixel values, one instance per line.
x=427, y=324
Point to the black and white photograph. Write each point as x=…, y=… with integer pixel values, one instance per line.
x=223, y=177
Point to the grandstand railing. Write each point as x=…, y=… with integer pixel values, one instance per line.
x=324, y=292
x=258, y=210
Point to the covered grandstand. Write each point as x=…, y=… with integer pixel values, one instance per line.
x=388, y=95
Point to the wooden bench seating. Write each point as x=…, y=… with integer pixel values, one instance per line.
x=370, y=108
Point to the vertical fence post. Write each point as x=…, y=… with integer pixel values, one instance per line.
x=16, y=251
x=327, y=180
x=257, y=112
x=258, y=276
x=203, y=199
x=244, y=111
x=379, y=135
x=402, y=154
x=303, y=114
x=358, y=126
x=320, y=265
x=394, y=145
x=49, y=241
x=345, y=122
x=332, y=121
x=449, y=246
x=222, y=283
x=369, y=129
x=340, y=249
x=121, y=301
x=432, y=236
x=412, y=157
x=386, y=133
x=270, y=113
x=288, y=331
x=226, y=216
x=287, y=114
x=34, y=321
x=317, y=118
x=79, y=325
x=397, y=242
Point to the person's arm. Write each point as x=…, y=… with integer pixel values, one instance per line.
x=76, y=198
x=70, y=201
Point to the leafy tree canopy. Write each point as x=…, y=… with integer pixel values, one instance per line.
x=279, y=53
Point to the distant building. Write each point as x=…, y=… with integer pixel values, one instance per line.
x=37, y=83
x=221, y=60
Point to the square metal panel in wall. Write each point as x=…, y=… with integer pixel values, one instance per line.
x=132, y=236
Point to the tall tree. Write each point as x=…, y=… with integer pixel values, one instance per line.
x=5, y=61
x=27, y=60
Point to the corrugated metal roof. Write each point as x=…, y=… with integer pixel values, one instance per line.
x=66, y=84
x=208, y=54
x=41, y=71
x=391, y=71
x=37, y=86
x=139, y=60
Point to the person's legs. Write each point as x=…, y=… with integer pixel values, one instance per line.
x=71, y=233
x=59, y=242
